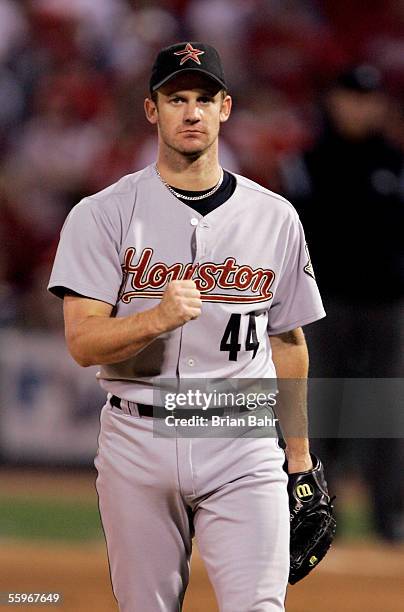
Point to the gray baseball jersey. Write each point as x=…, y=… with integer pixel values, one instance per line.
x=249, y=260
x=247, y=257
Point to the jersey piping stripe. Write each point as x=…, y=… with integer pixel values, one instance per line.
x=217, y=297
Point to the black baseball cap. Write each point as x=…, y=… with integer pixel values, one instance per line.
x=364, y=78
x=190, y=57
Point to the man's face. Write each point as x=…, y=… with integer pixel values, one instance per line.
x=357, y=115
x=188, y=113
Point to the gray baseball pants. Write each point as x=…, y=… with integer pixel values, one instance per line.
x=155, y=494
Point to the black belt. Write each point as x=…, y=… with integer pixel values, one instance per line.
x=160, y=412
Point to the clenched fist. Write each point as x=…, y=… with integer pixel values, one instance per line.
x=180, y=303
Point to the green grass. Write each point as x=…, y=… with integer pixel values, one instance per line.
x=49, y=519
x=78, y=521
x=355, y=523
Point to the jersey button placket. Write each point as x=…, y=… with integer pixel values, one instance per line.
x=200, y=233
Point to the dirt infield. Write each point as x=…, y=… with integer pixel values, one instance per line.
x=353, y=579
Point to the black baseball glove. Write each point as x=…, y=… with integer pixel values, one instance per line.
x=312, y=523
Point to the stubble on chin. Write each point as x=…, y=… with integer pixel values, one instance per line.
x=190, y=151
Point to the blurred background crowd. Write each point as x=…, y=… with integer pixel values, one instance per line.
x=318, y=90
x=74, y=73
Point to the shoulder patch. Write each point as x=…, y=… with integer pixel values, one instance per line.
x=308, y=268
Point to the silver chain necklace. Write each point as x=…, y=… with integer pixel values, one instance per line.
x=186, y=197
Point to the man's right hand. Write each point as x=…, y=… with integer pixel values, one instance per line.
x=180, y=303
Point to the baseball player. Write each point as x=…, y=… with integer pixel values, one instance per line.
x=186, y=270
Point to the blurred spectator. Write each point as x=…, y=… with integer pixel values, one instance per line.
x=375, y=35
x=290, y=46
x=38, y=310
x=72, y=76
x=19, y=242
x=207, y=20
x=348, y=190
x=264, y=127
x=8, y=297
x=13, y=27
x=50, y=157
x=140, y=34
x=72, y=73
x=11, y=101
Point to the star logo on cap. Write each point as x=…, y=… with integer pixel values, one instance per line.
x=189, y=53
